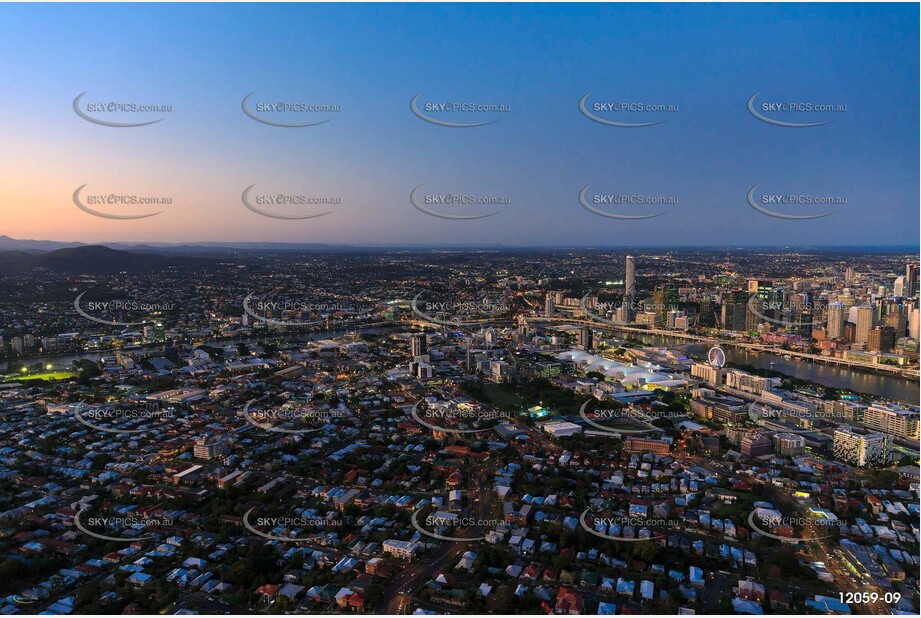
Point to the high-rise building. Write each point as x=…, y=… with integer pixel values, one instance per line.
x=418, y=344
x=672, y=318
x=709, y=373
x=836, y=313
x=789, y=444
x=756, y=445
x=849, y=275
x=548, y=305
x=893, y=420
x=804, y=320
x=586, y=338
x=706, y=313
x=914, y=323
x=865, y=315
x=896, y=318
x=735, y=308
x=881, y=339
x=861, y=449
x=765, y=301
x=850, y=332
x=847, y=299
x=664, y=299
x=210, y=447
x=524, y=329
x=630, y=289
x=911, y=280
x=898, y=288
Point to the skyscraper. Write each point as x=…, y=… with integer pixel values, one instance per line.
x=586, y=338
x=835, y=320
x=418, y=344
x=911, y=280
x=630, y=288
x=881, y=339
x=864, y=323
x=764, y=290
x=548, y=305
x=914, y=324
x=897, y=318
x=664, y=299
x=735, y=309
x=847, y=299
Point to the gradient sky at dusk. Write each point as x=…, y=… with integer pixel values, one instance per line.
x=539, y=59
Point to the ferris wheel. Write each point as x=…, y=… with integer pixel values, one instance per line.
x=716, y=357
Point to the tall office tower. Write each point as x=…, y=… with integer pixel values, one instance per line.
x=865, y=316
x=706, y=315
x=879, y=310
x=898, y=288
x=896, y=318
x=835, y=320
x=735, y=308
x=914, y=323
x=524, y=329
x=665, y=298
x=630, y=288
x=418, y=344
x=850, y=332
x=766, y=295
x=911, y=280
x=847, y=299
x=548, y=305
x=586, y=338
x=881, y=339
x=804, y=321
x=671, y=318
x=752, y=319
x=849, y=275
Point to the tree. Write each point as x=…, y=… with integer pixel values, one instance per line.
x=647, y=551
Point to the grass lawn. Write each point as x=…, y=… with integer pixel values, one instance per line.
x=552, y=398
x=46, y=375
x=503, y=398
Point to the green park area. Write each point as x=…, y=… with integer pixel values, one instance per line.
x=521, y=397
x=41, y=375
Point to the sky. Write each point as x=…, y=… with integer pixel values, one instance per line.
x=538, y=60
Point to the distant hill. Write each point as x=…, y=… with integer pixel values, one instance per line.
x=210, y=247
x=33, y=246
x=92, y=260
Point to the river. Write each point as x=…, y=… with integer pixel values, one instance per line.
x=882, y=385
